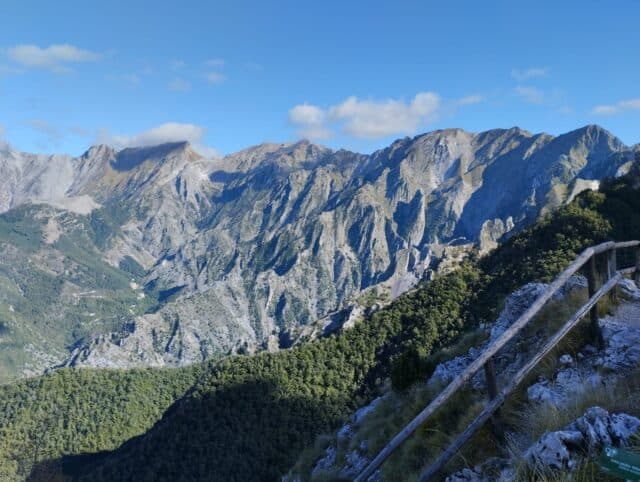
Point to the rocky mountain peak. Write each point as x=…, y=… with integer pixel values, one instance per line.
x=290, y=155
x=99, y=151
x=132, y=157
x=593, y=136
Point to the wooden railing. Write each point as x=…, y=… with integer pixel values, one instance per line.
x=589, y=260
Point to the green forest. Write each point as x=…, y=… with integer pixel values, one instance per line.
x=249, y=417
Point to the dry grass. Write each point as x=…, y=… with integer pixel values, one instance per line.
x=621, y=396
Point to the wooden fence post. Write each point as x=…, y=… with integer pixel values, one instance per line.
x=612, y=267
x=611, y=263
x=592, y=280
x=492, y=388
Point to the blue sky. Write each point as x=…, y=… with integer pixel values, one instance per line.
x=227, y=75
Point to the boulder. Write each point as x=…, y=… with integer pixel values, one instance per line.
x=622, y=344
x=564, y=449
x=541, y=392
x=555, y=450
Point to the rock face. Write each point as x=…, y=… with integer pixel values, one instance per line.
x=245, y=250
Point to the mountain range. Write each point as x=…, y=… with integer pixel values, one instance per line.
x=157, y=256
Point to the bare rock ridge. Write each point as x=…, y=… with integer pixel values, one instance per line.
x=256, y=245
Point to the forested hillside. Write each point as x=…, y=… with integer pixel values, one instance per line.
x=249, y=417
x=81, y=411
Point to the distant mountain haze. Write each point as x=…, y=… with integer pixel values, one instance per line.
x=157, y=256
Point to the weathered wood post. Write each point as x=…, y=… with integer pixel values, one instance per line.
x=592, y=280
x=492, y=388
x=612, y=267
x=611, y=263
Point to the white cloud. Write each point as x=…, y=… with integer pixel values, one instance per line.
x=532, y=95
x=2, y=131
x=605, y=110
x=535, y=72
x=9, y=70
x=54, y=58
x=470, y=100
x=215, y=78
x=79, y=131
x=179, y=85
x=370, y=119
x=631, y=104
x=617, y=108
x=310, y=119
x=306, y=114
x=215, y=63
x=177, y=64
x=130, y=79
x=51, y=133
x=167, y=132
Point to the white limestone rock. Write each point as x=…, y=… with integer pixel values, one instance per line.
x=564, y=449
x=541, y=392
x=622, y=344
x=556, y=450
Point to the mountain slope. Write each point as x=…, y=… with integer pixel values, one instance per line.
x=249, y=417
x=245, y=251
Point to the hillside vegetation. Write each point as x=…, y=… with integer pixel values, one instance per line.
x=248, y=418
x=81, y=411
x=55, y=287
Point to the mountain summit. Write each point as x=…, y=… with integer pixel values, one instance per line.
x=246, y=252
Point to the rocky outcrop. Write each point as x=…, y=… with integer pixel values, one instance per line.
x=562, y=450
x=565, y=449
